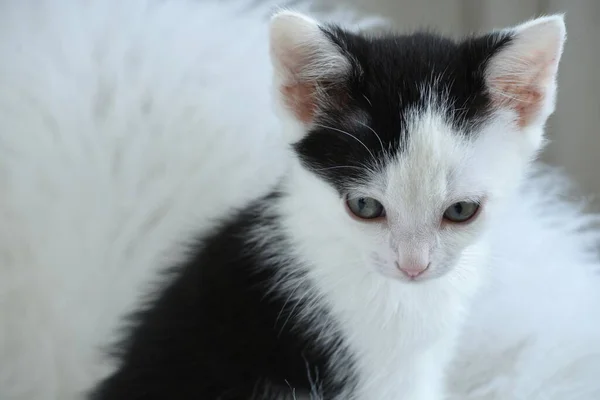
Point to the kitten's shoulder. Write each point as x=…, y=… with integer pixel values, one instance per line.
x=229, y=316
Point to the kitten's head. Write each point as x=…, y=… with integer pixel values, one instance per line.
x=415, y=139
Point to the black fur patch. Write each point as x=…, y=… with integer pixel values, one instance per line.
x=220, y=332
x=387, y=81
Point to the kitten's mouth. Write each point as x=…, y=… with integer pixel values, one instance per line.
x=400, y=276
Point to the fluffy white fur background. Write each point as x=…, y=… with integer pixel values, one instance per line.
x=125, y=126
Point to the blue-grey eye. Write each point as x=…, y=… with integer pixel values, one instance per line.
x=365, y=207
x=461, y=212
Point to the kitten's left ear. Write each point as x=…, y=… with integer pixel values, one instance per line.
x=310, y=69
x=522, y=75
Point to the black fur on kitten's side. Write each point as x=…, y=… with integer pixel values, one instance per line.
x=218, y=330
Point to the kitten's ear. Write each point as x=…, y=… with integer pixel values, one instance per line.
x=310, y=69
x=522, y=75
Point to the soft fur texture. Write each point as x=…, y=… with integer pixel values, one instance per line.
x=127, y=126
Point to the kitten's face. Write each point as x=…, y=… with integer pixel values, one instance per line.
x=417, y=138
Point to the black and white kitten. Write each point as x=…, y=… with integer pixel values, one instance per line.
x=351, y=279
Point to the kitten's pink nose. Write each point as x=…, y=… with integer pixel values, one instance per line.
x=412, y=270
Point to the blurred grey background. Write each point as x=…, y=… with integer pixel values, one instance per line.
x=574, y=130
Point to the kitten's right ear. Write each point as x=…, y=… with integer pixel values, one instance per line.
x=310, y=69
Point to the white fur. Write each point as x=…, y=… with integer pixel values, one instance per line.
x=116, y=133
x=534, y=330
x=125, y=126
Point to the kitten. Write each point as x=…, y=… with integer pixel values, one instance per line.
x=351, y=279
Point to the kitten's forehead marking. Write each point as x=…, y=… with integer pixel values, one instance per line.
x=420, y=177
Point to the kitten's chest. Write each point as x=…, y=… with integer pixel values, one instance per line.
x=395, y=334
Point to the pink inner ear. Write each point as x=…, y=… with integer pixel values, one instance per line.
x=524, y=90
x=524, y=98
x=306, y=99
x=298, y=95
x=300, y=98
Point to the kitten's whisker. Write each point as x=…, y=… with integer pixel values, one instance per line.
x=349, y=134
x=375, y=133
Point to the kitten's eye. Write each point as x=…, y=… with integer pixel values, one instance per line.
x=365, y=207
x=461, y=212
